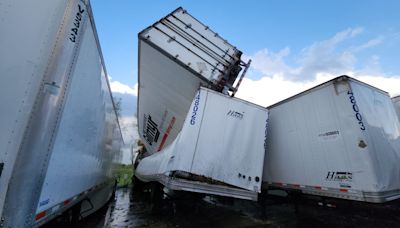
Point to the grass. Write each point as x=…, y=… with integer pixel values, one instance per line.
x=124, y=175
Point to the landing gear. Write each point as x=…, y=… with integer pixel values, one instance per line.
x=71, y=217
x=262, y=201
x=75, y=215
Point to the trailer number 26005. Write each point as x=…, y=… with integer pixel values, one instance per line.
x=356, y=110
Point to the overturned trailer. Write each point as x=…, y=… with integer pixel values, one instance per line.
x=197, y=136
x=339, y=139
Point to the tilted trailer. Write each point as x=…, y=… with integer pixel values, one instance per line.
x=339, y=139
x=197, y=136
x=60, y=136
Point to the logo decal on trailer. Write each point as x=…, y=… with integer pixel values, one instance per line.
x=235, y=114
x=44, y=202
x=340, y=176
x=150, y=130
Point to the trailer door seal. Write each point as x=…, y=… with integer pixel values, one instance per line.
x=1, y=168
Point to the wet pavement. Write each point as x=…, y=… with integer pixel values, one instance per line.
x=135, y=210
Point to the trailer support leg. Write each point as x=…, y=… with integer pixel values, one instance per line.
x=296, y=204
x=75, y=215
x=156, y=196
x=262, y=201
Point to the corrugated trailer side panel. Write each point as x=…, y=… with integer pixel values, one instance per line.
x=321, y=141
x=25, y=51
x=88, y=137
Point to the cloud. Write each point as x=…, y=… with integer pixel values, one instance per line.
x=314, y=64
x=372, y=66
x=127, y=120
x=269, y=63
x=118, y=87
x=320, y=57
x=369, y=44
x=323, y=56
x=270, y=90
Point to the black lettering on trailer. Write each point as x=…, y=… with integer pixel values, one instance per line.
x=150, y=130
x=235, y=114
x=330, y=175
x=356, y=110
x=339, y=176
x=76, y=23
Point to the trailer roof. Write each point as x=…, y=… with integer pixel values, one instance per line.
x=339, y=78
x=235, y=98
x=190, y=43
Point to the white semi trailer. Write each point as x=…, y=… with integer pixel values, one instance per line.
x=59, y=132
x=339, y=139
x=198, y=137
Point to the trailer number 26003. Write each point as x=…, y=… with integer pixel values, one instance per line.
x=356, y=110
